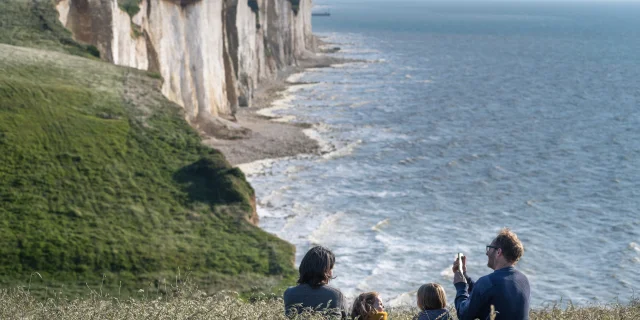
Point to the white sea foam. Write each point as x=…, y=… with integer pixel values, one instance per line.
x=324, y=144
x=349, y=65
x=395, y=244
x=380, y=224
x=264, y=212
x=376, y=194
x=279, y=105
x=256, y=167
x=300, y=221
x=301, y=87
x=404, y=299
x=409, y=160
x=342, y=152
x=293, y=169
x=447, y=273
x=326, y=229
x=360, y=104
x=285, y=103
x=275, y=199
x=295, y=77
x=287, y=118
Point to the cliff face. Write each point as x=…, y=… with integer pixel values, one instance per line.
x=212, y=54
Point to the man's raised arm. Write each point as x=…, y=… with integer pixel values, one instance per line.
x=472, y=305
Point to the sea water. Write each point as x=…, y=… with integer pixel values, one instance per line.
x=466, y=117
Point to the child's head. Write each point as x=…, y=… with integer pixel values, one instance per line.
x=366, y=306
x=431, y=296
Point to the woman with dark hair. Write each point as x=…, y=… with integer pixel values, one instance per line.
x=313, y=291
x=368, y=306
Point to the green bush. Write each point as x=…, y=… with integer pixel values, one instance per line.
x=253, y=4
x=295, y=6
x=131, y=7
x=93, y=51
x=155, y=75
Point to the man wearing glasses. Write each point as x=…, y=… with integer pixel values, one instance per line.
x=506, y=289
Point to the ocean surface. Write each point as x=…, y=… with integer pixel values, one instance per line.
x=467, y=117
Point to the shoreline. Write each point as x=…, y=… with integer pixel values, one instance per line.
x=274, y=137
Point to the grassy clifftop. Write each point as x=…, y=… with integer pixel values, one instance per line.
x=100, y=174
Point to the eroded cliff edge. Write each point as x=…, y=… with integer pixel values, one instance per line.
x=212, y=54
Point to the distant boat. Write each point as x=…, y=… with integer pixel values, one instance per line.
x=321, y=14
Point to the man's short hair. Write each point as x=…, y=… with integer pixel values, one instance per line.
x=508, y=241
x=315, y=268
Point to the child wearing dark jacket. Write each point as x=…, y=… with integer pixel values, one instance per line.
x=432, y=301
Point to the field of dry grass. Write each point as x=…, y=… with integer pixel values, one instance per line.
x=186, y=302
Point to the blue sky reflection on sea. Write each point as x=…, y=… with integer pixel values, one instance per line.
x=466, y=119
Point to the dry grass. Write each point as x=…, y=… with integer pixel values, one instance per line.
x=187, y=302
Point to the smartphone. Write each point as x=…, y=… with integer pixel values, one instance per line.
x=459, y=258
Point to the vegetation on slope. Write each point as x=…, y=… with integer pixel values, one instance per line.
x=295, y=6
x=253, y=4
x=131, y=7
x=35, y=24
x=101, y=175
x=191, y=304
x=255, y=8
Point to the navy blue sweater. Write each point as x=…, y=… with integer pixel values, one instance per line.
x=437, y=314
x=301, y=297
x=506, y=289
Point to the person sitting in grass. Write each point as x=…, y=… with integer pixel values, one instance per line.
x=313, y=291
x=368, y=306
x=506, y=289
x=432, y=301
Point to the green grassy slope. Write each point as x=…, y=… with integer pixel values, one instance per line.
x=34, y=23
x=100, y=174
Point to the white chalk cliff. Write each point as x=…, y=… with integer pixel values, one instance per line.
x=212, y=54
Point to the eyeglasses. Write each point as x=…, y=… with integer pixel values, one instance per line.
x=491, y=247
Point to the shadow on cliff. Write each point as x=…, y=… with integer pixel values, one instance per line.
x=213, y=181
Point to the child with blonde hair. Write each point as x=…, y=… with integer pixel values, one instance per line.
x=368, y=306
x=432, y=301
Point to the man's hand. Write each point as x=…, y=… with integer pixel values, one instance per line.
x=456, y=268
x=459, y=277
